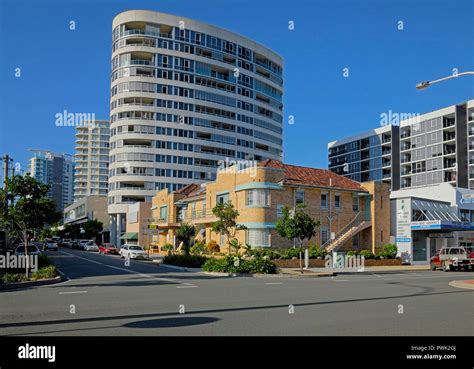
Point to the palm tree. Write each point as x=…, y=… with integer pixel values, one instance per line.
x=185, y=233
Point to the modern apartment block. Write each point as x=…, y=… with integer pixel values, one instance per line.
x=434, y=147
x=92, y=159
x=351, y=215
x=431, y=148
x=185, y=95
x=370, y=156
x=57, y=170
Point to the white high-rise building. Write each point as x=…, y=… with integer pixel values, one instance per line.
x=92, y=159
x=185, y=95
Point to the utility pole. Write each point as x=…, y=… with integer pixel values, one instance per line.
x=6, y=168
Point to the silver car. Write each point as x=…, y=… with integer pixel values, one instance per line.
x=32, y=250
x=91, y=246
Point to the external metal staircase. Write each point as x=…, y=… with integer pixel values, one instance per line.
x=356, y=225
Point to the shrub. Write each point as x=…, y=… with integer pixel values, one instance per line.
x=43, y=261
x=259, y=265
x=389, y=251
x=352, y=253
x=367, y=254
x=212, y=246
x=317, y=252
x=13, y=277
x=187, y=261
x=235, y=264
x=44, y=273
x=289, y=253
x=198, y=248
x=262, y=252
x=167, y=247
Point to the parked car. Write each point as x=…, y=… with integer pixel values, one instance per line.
x=91, y=246
x=108, y=248
x=82, y=243
x=32, y=250
x=38, y=244
x=452, y=258
x=50, y=245
x=66, y=242
x=75, y=245
x=133, y=252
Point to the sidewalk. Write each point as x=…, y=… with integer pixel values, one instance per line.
x=379, y=269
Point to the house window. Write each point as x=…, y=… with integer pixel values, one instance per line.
x=299, y=197
x=324, y=235
x=356, y=241
x=222, y=240
x=280, y=211
x=324, y=200
x=222, y=198
x=258, y=198
x=355, y=204
x=164, y=212
x=337, y=201
x=258, y=237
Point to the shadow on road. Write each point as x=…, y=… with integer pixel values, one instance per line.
x=171, y=322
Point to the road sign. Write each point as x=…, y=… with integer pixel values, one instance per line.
x=150, y=232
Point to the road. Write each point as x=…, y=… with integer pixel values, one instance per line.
x=105, y=297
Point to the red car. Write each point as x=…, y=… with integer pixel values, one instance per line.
x=108, y=248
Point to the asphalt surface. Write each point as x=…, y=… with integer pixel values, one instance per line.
x=104, y=297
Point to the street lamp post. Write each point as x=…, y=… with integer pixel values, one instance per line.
x=426, y=84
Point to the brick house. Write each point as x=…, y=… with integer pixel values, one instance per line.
x=356, y=215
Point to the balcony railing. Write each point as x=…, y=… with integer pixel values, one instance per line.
x=143, y=32
x=140, y=62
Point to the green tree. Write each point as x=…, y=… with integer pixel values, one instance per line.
x=297, y=224
x=227, y=222
x=26, y=208
x=92, y=228
x=185, y=233
x=45, y=233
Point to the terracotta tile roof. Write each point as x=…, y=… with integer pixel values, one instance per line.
x=191, y=190
x=296, y=175
x=187, y=189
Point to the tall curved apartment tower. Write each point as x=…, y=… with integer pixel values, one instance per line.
x=185, y=95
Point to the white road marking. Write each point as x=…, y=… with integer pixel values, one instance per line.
x=187, y=286
x=341, y=280
x=274, y=283
x=377, y=275
x=71, y=292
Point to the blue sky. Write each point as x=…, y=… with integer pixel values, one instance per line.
x=63, y=69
